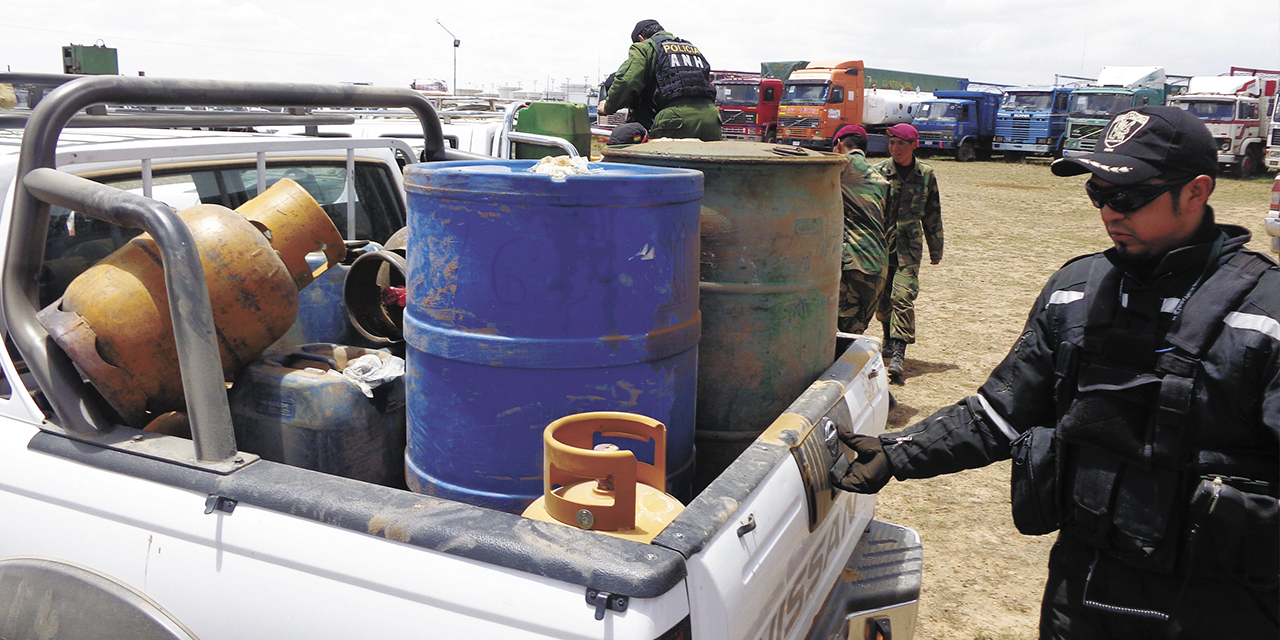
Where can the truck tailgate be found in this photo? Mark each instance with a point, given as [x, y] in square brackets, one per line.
[767, 540]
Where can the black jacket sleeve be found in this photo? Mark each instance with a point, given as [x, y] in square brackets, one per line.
[977, 431]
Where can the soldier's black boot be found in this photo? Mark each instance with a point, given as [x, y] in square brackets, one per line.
[897, 353]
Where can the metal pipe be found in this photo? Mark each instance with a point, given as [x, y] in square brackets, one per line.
[546, 141]
[188, 119]
[189, 305]
[52, 369]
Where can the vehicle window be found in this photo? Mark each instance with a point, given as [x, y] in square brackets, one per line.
[937, 111]
[744, 95]
[805, 94]
[1099, 105]
[1208, 110]
[1248, 111]
[76, 241]
[1026, 102]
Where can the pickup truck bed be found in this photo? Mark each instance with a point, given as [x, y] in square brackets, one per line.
[215, 542]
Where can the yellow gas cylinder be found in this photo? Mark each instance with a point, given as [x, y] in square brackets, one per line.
[113, 320]
[603, 487]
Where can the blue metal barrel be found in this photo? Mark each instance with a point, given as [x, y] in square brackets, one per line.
[532, 298]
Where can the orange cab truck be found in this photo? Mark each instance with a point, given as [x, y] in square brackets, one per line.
[826, 95]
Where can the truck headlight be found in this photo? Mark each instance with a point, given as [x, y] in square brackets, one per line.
[998, 139]
[1042, 141]
[1224, 144]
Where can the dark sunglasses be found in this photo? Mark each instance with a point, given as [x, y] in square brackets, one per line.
[1130, 198]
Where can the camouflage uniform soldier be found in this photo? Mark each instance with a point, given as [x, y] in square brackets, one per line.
[865, 257]
[913, 217]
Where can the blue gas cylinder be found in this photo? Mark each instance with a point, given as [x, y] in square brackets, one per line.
[531, 298]
[322, 313]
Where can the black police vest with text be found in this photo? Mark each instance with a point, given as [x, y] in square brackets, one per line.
[1124, 390]
[680, 71]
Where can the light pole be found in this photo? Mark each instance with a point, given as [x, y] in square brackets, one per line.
[456, 42]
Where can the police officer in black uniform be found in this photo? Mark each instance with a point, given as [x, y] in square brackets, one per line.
[1141, 406]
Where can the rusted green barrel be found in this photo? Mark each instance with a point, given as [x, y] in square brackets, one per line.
[772, 224]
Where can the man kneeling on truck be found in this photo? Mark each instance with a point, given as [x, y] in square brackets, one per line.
[1157, 365]
[665, 83]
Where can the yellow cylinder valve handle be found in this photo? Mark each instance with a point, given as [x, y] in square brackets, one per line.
[600, 486]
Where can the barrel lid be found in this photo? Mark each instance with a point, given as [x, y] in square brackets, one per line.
[511, 179]
[723, 151]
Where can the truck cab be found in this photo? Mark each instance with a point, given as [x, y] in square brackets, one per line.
[1236, 110]
[1032, 120]
[1118, 89]
[748, 107]
[819, 99]
[962, 122]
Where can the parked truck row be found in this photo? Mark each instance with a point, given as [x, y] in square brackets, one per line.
[805, 108]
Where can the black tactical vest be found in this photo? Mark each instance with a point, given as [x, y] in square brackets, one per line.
[1123, 393]
[681, 71]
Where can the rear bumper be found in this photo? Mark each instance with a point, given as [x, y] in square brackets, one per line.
[880, 584]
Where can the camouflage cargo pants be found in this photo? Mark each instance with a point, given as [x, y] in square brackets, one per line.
[859, 297]
[898, 303]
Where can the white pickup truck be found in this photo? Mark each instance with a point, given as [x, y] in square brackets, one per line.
[110, 531]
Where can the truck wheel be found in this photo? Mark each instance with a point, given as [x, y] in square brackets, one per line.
[1249, 163]
[966, 152]
[771, 137]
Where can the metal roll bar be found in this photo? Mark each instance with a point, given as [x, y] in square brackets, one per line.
[38, 185]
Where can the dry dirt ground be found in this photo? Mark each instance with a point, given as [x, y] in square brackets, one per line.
[1008, 227]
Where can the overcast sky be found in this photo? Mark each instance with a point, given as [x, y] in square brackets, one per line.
[530, 42]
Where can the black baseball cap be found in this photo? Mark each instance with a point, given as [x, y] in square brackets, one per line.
[628, 133]
[1145, 143]
[645, 28]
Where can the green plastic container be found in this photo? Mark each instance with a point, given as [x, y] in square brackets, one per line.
[567, 120]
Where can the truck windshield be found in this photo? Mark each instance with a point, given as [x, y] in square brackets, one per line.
[1099, 105]
[815, 93]
[938, 111]
[1208, 109]
[1027, 102]
[738, 95]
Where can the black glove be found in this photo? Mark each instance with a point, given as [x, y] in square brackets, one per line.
[870, 471]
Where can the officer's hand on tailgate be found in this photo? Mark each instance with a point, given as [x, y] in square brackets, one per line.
[870, 471]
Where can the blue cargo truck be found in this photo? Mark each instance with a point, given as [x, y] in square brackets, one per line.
[959, 121]
[1032, 120]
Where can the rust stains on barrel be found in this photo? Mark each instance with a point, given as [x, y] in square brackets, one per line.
[771, 227]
